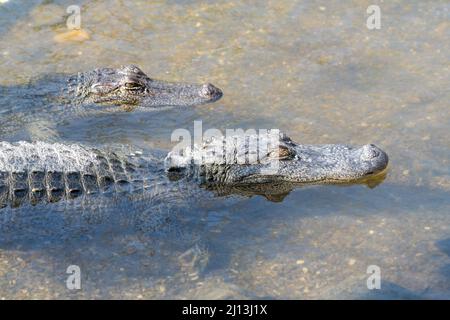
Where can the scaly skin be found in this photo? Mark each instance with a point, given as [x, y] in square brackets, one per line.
[39, 107]
[129, 85]
[256, 165]
[43, 172]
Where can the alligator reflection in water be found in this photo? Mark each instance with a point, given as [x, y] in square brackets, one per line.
[277, 191]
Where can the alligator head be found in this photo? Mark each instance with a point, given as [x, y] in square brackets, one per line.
[129, 85]
[255, 165]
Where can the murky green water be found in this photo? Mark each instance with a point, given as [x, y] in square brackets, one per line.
[310, 68]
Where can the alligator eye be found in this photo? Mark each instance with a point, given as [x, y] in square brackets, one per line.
[132, 86]
[210, 91]
[282, 153]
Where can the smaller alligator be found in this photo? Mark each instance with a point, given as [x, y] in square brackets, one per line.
[129, 85]
[43, 172]
[46, 102]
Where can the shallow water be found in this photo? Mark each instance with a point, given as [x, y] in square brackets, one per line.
[309, 68]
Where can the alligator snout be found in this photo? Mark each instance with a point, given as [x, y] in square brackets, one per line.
[377, 157]
[210, 92]
[369, 152]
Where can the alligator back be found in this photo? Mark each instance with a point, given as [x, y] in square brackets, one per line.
[42, 172]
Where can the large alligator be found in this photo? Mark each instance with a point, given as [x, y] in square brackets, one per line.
[261, 165]
[50, 100]
[42, 172]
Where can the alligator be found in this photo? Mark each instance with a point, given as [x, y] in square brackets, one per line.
[52, 99]
[42, 172]
[244, 164]
[129, 85]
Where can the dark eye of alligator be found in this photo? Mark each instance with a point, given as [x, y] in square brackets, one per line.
[209, 91]
[132, 86]
[282, 153]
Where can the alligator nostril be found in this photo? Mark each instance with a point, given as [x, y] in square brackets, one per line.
[206, 90]
[369, 152]
[210, 91]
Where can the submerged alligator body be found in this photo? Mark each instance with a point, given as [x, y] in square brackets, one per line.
[42, 172]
